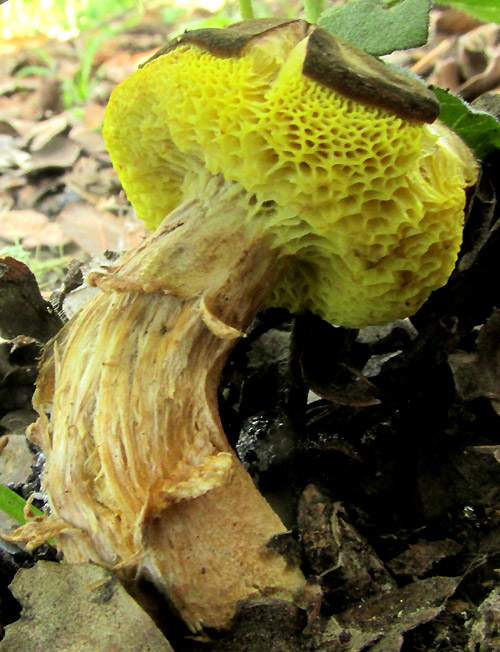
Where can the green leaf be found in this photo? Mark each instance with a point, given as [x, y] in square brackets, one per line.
[379, 26]
[480, 130]
[13, 505]
[487, 10]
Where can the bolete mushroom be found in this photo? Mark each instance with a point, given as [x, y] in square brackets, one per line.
[276, 165]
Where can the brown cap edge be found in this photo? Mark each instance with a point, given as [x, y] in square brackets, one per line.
[337, 64]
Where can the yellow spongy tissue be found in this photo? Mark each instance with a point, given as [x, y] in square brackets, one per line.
[368, 207]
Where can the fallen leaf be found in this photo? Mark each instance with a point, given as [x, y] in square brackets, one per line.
[95, 231]
[51, 235]
[93, 115]
[60, 152]
[420, 557]
[6, 201]
[93, 182]
[478, 373]
[476, 48]
[75, 291]
[11, 154]
[33, 192]
[31, 228]
[46, 130]
[15, 459]
[123, 64]
[16, 84]
[489, 450]
[336, 551]
[385, 618]
[18, 127]
[454, 21]
[483, 82]
[9, 181]
[17, 224]
[484, 635]
[446, 74]
[78, 608]
[89, 139]
[23, 311]
[47, 98]
[6, 128]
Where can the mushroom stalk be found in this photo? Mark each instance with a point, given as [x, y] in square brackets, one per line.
[139, 471]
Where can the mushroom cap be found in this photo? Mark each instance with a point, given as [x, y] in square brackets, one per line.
[363, 197]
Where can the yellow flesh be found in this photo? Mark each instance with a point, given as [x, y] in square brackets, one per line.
[370, 205]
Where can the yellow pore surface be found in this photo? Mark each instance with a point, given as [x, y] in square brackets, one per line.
[366, 207]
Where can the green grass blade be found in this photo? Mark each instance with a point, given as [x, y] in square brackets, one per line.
[313, 9]
[13, 505]
[246, 9]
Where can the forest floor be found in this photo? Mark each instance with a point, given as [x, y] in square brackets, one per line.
[389, 438]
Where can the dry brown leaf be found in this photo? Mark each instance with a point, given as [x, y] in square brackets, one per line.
[11, 155]
[16, 84]
[6, 129]
[33, 193]
[384, 619]
[6, 202]
[23, 311]
[89, 139]
[43, 132]
[60, 152]
[31, 228]
[17, 224]
[51, 235]
[479, 60]
[489, 450]
[446, 74]
[475, 49]
[95, 231]
[123, 64]
[483, 82]
[46, 98]
[94, 115]
[11, 106]
[78, 608]
[10, 181]
[420, 557]
[336, 551]
[19, 127]
[478, 373]
[15, 459]
[90, 181]
[484, 634]
[454, 21]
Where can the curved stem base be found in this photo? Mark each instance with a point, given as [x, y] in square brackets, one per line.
[139, 472]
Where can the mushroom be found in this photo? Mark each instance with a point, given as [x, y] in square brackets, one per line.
[275, 165]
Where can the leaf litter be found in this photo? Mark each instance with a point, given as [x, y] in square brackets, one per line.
[384, 442]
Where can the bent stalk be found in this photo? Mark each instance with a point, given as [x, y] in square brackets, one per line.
[139, 472]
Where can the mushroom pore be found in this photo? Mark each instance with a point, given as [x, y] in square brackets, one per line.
[276, 166]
